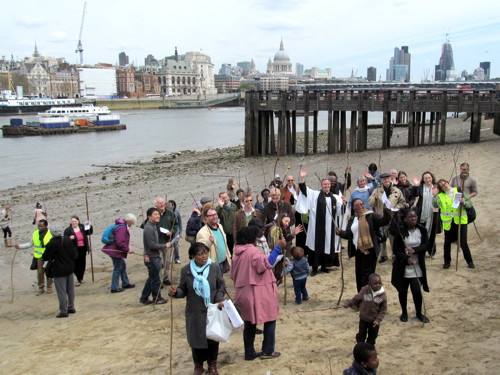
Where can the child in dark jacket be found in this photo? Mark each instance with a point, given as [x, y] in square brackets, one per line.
[299, 273]
[372, 303]
[365, 360]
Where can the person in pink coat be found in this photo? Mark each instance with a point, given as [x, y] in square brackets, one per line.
[256, 292]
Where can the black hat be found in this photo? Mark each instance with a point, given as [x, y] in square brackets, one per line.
[385, 175]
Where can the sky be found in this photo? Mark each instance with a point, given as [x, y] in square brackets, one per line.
[346, 36]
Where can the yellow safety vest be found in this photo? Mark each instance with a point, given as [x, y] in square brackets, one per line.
[448, 213]
[39, 246]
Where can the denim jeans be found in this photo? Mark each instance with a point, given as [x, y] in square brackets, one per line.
[249, 338]
[119, 271]
[176, 251]
[152, 285]
[299, 287]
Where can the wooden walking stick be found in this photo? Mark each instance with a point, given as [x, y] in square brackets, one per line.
[90, 236]
[12, 277]
[459, 221]
[171, 310]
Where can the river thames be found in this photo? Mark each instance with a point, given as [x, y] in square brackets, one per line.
[149, 133]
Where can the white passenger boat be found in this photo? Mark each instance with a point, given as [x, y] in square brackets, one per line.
[85, 111]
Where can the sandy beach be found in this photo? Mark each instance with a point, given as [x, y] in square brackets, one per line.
[114, 334]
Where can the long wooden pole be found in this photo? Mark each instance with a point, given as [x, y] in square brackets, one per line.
[90, 236]
[459, 223]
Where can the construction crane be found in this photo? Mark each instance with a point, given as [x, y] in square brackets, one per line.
[79, 47]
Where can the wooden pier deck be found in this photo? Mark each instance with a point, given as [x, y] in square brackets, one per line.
[419, 109]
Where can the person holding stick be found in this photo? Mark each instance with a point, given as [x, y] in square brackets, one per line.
[408, 269]
[152, 259]
[454, 220]
[79, 233]
[362, 240]
[201, 283]
[118, 252]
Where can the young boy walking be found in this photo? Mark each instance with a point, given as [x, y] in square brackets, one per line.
[372, 303]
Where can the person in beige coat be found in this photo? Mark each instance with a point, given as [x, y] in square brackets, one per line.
[395, 196]
[213, 236]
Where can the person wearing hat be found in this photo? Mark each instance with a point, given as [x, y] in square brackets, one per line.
[194, 223]
[61, 250]
[397, 200]
[276, 182]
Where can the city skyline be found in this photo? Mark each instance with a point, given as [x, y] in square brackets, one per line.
[348, 38]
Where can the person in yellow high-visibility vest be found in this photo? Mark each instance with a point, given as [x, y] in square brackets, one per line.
[39, 240]
[444, 196]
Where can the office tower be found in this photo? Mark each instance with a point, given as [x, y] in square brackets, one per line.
[123, 59]
[445, 70]
[299, 69]
[371, 74]
[399, 65]
[486, 65]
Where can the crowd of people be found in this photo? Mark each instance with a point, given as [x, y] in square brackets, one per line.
[255, 239]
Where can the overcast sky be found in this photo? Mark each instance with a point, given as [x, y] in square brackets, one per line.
[341, 35]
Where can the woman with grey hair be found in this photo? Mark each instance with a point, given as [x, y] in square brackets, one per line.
[363, 192]
[61, 251]
[118, 252]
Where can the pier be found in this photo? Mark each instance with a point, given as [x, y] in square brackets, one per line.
[423, 112]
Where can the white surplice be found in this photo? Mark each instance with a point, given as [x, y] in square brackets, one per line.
[307, 204]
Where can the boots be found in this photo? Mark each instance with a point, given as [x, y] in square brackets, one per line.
[9, 242]
[198, 369]
[212, 368]
[5, 242]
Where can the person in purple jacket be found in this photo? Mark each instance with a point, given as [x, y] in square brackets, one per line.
[118, 252]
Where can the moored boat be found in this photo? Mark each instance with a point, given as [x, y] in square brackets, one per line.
[11, 104]
[59, 124]
[85, 111]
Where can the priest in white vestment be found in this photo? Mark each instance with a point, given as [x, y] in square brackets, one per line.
[324, 210]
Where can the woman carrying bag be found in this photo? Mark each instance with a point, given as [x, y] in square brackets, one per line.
[202, 284]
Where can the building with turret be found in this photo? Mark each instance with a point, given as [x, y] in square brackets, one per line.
[281, 64]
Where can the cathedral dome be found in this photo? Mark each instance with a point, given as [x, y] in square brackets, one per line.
[281, 55]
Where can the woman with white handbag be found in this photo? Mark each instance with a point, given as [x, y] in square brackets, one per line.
[202, 284]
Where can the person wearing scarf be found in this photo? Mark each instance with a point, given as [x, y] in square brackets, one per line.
[202, 284]
[362, 240]
[363, 192]
[428, 214]
[323, 208]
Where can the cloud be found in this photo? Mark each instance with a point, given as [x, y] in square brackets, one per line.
[58, 37]
[30, 21]
[280, 24]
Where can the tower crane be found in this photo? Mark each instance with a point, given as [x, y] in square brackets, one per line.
[79, 47]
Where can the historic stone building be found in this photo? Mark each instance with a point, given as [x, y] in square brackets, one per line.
[189, 74]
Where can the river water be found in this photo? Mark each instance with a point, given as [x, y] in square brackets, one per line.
[41, 159]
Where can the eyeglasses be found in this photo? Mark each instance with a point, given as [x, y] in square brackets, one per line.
[248, 200]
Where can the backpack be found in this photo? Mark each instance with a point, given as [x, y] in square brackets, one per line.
[108, 237]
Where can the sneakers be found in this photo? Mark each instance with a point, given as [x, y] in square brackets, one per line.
[177, 261]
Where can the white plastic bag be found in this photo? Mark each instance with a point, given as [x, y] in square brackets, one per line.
[219, 327]
[232, 313]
